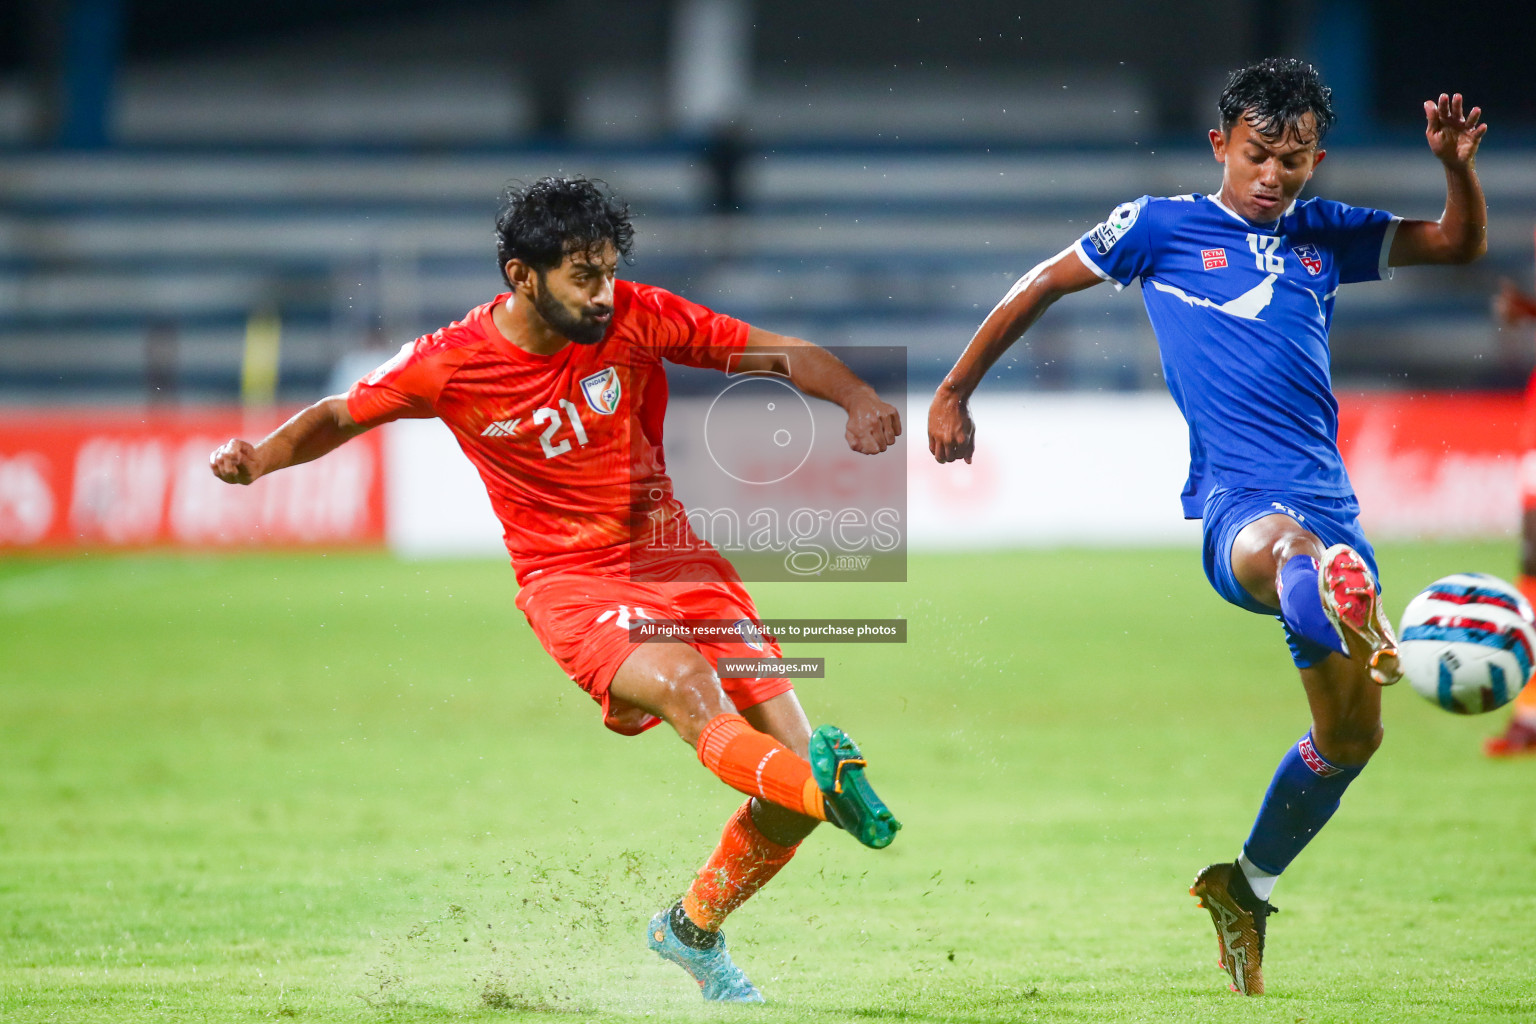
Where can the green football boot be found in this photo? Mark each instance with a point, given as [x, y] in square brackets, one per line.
[851, 802]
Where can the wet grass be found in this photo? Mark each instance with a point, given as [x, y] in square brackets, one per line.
[347, 788]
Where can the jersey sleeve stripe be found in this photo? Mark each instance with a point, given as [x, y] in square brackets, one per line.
[1386, 248]
[1082, 254]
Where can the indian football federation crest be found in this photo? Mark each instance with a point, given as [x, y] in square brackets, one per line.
[602, 390]
[750, 634]
[1310, 258]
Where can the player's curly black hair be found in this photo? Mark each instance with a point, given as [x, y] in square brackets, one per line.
[540, 223]
[1274, 95]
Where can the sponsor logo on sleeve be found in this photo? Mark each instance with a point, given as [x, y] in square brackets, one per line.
[395, 362]
[1213, 259]
[1121, 219]
[1310, 258]
[602, 390]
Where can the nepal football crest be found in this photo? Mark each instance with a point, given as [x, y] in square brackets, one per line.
[1310, 258]
[602, 390]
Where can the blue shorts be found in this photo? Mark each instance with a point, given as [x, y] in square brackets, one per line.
[1229, 509]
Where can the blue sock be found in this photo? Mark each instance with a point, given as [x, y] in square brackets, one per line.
[1302, 607]
[1302, 797]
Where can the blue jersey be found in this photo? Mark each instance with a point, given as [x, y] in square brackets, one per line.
[1241, 312]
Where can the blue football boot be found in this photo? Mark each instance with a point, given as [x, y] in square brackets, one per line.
[719, 980]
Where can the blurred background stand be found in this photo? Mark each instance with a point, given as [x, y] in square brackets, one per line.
[710, 79]
[161, 356]
[857, 173]
[74, 54]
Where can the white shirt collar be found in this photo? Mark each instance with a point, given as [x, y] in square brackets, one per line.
[1237, 216]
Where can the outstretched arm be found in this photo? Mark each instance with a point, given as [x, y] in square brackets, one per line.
[1461, 233]
[873, 424]
[951, 433]
[321, 428]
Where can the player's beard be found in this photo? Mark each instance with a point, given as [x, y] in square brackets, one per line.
[578, 327]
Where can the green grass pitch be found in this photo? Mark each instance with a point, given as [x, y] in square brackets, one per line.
[348, 788]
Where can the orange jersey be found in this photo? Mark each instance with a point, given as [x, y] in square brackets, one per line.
[569, 445]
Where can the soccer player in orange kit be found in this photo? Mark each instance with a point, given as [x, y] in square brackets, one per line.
[1513, 307]
[555, 391]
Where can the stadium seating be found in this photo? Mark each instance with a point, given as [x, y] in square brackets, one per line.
[135, 270]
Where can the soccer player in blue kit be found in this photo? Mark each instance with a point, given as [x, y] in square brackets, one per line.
[1239, 287]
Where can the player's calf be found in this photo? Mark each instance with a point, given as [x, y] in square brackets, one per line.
[674, 682]
[756, 764]
[742, 862]
[832, 787]
[1302, 797]
[780, 825]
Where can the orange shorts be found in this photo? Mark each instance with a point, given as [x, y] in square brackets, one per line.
[583, 622]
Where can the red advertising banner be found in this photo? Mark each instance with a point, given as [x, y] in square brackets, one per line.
[135, 479]
[1445, 465]
[1438, 465]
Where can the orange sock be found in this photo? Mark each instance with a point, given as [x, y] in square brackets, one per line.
[742, 864]
[1525, 704]
[756, 764]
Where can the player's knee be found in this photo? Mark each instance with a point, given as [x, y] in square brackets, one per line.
[1263, 547]
[1292, 543]
[1351, 742]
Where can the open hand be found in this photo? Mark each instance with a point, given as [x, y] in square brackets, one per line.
[951, 431]
[873, 426]
[235, 462]
[1453, 136]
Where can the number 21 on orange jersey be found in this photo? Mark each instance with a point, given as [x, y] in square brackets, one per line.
[552, 417]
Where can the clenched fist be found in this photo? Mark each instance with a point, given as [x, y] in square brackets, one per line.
[873, 426]
[235, 462]
[951, 431]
